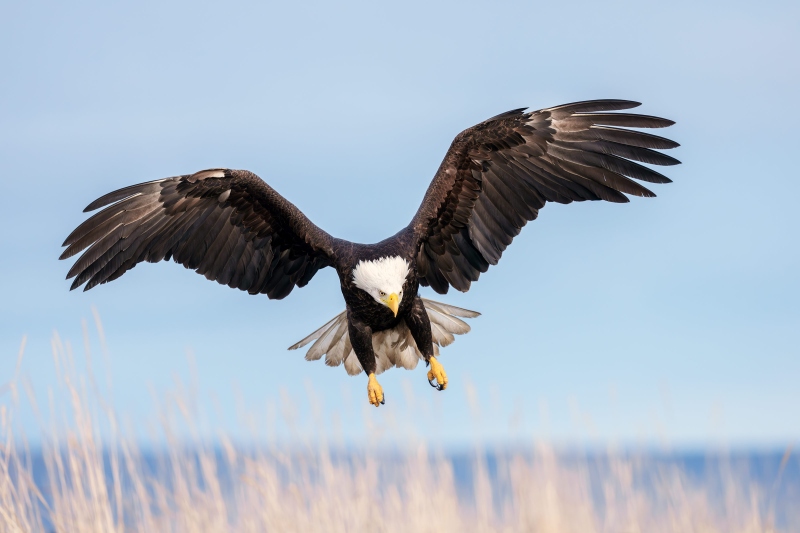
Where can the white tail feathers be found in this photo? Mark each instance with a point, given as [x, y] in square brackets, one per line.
[393, 347]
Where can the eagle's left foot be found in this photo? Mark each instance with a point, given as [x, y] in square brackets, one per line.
[375, 391]
[437, 372]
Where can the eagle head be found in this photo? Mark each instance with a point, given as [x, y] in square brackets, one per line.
[383, 279]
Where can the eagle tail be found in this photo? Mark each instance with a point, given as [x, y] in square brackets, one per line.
[393, 347]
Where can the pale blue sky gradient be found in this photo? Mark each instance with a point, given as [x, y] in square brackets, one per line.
[672, 319]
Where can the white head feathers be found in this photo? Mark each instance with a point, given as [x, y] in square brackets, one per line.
[385, 275]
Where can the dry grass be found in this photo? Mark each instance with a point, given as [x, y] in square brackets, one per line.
[95, 479]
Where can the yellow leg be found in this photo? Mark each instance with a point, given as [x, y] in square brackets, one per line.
[437, 372]
[375, 391]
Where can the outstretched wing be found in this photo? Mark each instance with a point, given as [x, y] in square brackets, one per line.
[498, 174]
[227, 225]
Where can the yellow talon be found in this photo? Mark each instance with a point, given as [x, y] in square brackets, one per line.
[375, 391]
[437, 372]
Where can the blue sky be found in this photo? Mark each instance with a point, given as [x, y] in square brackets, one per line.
[668, 320]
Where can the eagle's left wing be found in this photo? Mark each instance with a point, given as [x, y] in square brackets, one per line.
[498, 174]
[227, 225]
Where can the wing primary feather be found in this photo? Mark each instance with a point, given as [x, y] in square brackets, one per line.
[124, 218]
[607, 185]
[593, 105]
[133, 203]
[628, 120]
[110, 248]
[125, 192]
[645, 155]
[618, 135]
[609, 162]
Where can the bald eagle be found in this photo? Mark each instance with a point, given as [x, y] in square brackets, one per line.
[231, 227]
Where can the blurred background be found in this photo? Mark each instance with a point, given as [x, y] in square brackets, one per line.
[667, 322]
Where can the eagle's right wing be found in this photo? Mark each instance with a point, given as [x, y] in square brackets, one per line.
[227, 225]
[498, 174]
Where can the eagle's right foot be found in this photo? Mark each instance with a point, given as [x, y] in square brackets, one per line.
[375, 391]
[437, 373]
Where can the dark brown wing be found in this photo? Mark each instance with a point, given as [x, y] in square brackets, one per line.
[498, 174]
[227, 225]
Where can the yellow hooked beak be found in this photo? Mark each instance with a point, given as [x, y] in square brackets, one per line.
[393, 302]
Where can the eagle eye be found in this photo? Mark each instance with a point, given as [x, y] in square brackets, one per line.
[382, 293]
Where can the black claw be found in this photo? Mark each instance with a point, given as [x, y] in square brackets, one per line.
[383, 400]
[436, 386]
